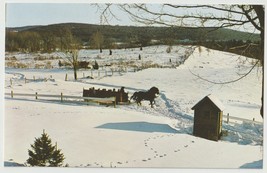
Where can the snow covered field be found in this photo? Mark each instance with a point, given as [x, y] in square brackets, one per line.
[139, 136]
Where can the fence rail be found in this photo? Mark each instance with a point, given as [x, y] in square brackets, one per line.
[228, 117]
[109, 100]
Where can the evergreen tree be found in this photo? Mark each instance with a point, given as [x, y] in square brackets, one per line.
[57, 158]
[43, 153]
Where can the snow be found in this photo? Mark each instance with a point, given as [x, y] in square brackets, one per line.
[97, 136]
[215, 100]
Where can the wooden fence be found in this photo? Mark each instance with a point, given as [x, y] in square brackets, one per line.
[108, 100]
[228, 117]
[62, 98]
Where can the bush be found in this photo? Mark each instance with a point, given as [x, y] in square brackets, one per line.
[169, 49]
[48, 65]
[43, 153]
[96, 66]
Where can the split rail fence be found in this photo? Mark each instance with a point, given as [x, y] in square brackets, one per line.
[66, 98]
[109, 100]
[228, 118]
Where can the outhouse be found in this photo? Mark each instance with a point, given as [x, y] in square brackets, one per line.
[208, 114]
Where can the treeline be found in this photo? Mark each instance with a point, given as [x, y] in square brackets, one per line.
[245, 48]
[72, 35]
[45, 41]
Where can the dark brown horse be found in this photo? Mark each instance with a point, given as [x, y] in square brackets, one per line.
[149, 95]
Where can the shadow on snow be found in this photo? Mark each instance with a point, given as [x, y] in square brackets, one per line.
[139, 127]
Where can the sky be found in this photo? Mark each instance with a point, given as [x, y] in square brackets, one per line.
[24, 14]
[19, 14]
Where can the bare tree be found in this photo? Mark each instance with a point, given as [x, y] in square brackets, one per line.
[246, 17]
[71, 54]
[98, 40]
[66, 38]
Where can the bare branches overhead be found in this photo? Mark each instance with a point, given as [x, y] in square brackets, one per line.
[220, 16]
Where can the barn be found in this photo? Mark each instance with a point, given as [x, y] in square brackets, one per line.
[208, 114]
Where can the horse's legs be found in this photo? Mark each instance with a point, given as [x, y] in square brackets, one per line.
[151, 103]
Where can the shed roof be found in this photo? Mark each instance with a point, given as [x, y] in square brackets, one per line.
[213, 99]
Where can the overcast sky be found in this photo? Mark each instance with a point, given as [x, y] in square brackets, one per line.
[24, 14]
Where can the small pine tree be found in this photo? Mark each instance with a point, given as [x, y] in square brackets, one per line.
[43, 153]
[57, 158]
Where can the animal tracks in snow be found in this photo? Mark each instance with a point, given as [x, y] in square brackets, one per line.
[151, 144]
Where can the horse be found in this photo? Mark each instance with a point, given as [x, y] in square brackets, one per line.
[149, 95]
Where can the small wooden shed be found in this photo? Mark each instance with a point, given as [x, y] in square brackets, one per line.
[208, 114]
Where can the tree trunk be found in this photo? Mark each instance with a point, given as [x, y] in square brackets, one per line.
[75, 72]
[259, 9]
[75, 63]
[262, 63]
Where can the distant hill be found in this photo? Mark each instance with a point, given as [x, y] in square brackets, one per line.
[125, 33]
[23, 28]
[66, 35]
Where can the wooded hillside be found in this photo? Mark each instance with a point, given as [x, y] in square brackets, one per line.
[66, 35]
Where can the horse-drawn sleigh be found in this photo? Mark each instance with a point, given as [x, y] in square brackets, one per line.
[121, 97]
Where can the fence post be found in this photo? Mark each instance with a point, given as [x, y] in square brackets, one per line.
[61, 97]
[33, 78]
[114, 102]
[12, 94]
[10, 82]
[36, 95]
[120, 97]
[66, 77]
[227, 118]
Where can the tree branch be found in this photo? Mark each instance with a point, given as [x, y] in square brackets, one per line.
[225, 82]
